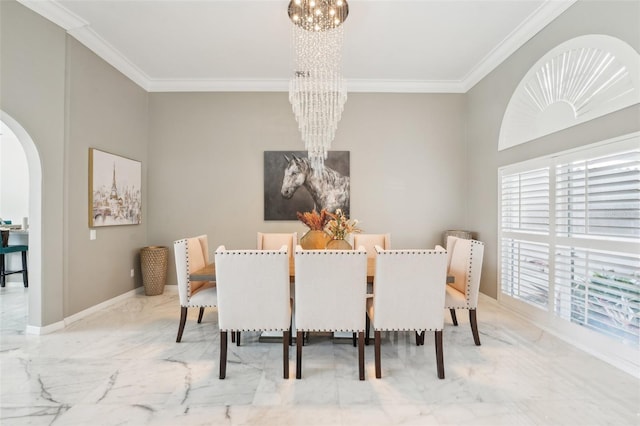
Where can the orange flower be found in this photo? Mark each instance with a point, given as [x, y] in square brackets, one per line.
[314, 220]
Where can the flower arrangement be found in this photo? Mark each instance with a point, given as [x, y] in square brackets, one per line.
[339, 225]
[314, 220]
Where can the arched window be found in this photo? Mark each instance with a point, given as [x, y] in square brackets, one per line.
[577, 81]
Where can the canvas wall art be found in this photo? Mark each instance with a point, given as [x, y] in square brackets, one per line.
[290, 185]
[115, 194]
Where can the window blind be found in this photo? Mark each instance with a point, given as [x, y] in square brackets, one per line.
[525, 201]
[586, 269]
[599, 290]
[525, 271]
[599, 196]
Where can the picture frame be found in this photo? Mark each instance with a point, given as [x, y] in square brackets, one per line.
[282, 200]
[115, 190]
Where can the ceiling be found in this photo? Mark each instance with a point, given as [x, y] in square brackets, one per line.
[245, 45]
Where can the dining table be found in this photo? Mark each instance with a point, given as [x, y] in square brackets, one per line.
[208, 272]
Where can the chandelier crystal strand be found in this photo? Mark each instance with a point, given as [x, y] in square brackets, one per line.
[317, 90]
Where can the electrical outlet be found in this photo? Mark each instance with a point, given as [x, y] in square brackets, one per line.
[132, 273]
[92, 234]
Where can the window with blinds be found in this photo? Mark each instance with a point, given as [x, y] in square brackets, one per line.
[599, 196]
[570, 237]
[525, 271]
[525, 201]
[599, 290]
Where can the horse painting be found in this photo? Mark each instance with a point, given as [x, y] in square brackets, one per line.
[328, 188]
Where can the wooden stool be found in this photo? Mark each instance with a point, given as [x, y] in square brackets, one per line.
[3, 272]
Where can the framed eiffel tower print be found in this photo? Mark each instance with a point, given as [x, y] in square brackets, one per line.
[115, 193]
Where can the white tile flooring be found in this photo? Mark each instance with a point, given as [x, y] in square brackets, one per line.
[122, 366]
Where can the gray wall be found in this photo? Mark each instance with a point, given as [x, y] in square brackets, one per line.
[32, 91]
[205, 169]
[107, 111]
[488, 100]
[68, 100]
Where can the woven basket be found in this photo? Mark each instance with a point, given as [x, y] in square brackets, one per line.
[466, 235]
[153, 262]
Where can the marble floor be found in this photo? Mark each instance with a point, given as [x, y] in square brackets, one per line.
[122, 366]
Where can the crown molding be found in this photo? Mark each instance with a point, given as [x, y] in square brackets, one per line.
[99, 46]
[282, 85]
[56, 13]
[539, 19]
[82, 31]
[218, 85]
[405, 86]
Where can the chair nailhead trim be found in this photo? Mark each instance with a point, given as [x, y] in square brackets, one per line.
[252, 252]
[407, 329]
[415, 252]
[331, 252]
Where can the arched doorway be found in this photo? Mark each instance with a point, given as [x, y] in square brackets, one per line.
[35, 221]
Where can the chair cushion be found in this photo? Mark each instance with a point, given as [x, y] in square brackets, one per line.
[205, 296]
[454, 299]
[13, 249]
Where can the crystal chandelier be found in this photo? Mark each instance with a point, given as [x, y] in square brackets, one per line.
[317, 90]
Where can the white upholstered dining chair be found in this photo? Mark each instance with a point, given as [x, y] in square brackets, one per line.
[370, 241]
[253, 295]
[408, 295]
[191, 254]
[330, 294]
[465, 266]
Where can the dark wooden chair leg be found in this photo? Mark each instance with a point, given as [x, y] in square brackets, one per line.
[439, 354]
[223, 354]
[299, 338]
[286, 338]
[376, 338]
[3, 279]
[354, 339]
[418, 343]
[290, 333]
[200, 314]
[367, 325]
[474, 326]
[361, 354]
[25, 275]
[183, 320]
[233, 337]
[237, 338]
[453, 316]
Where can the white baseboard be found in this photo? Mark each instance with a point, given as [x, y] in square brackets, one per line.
[32, 329]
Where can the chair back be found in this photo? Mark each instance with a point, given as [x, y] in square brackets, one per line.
[273, 241]
[204, 246]
[189, 256]
[330, 288]
[253, 289]
[370, 241]
[409, 289]
[466, 267]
